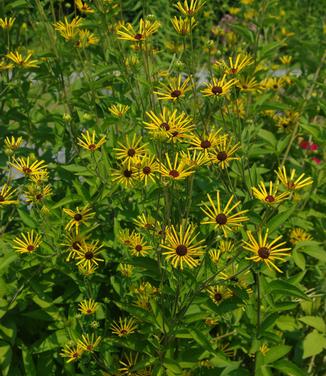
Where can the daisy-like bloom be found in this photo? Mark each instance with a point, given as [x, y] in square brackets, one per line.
[83, 7]
[126, 176]
[226, 246]
[264, 349]
[236, 66]
[119, 110]
[214, 255]
[286, 121]
[207, 142]
[88, 254]
[248, 84]
[40, 179]
[127, 364]
[132, 152]
[125, 237]
[26, 167]
[68, 30]
[176, 171]
[22, 62]
[173, 89]
[73, 242]
[219, 293]
[88, 307]
[191, 9]
[241, 279]
[13, 143]
[182, 247]
[222, 154]
[145, 222]
[139, 246]
[218, 88]
[7, 23]
[72, 353]
[146, 169]
[36, 194]
[88, 141]
[299, 235]
[126, 270]
[264, 251]
[286, 59]
[6, 195]
[86, 272]
[78, 217]
[223, 218]
[269, 197]
[183, 26]
[28, 242]
[89, 343]
[194, 159]
[274, 83]
[5, 66]
[86, 38]
[124, 327]
[291, 182]
[145, 30]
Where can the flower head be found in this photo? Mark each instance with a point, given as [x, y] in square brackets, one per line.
[22, 62]
[6, 195]
[89, 343]
[131, 152]
[68, 30]
[119, 110]
[72, 353]
[124, 327]
[219, 293]
[269, 197]
[299, 235]
[218, 88]
[88, 307]
[264, 251]
[145, 30]
[13, 143]
[292, 182]
[78, 216]
[25, 166]
[222, 154]
[7, 23]
[174, 89]
[183, 26]
[87, 141]
[190, 8]
[176, 170]
[83, 7]
[27, 243]
[236, 65]
[88, 254]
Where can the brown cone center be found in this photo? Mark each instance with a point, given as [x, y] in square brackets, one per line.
[181, 250]
[221, 219]
[264, 252]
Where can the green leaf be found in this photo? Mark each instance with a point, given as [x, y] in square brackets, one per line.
[29, 365]
[267, 136]
[276, 353]
[279, 219]
[269, 321]
[285, 288]
[313, 344]
[27, 219]
[299, 259]
[314, 321]
[316, 253]
[5, 357]
[287, 323]
[201, 339]
[288, 368]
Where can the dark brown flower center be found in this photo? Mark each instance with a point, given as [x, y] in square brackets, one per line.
[131, 152]
[244, 87]
[233, 70]
[92, 147]
[264, 252]
[217, 90]
[89, 311]
[89, 255]
[127, 173]
[123, 331]
[205, 144]
[147, 170]
[175, 133]
[275, 86]
[174, 173]
[176, 93]
[165, 126]
[138, 248]
[221, 156]
[27, 170]
[30, 248]
[138, 36]
[75, 355]
[181, 250]
[270, 198]
[291, 185]
[39, 196]
[78, 217]
[89, 347]
[221, 219]
[218, 297]
[76, 245]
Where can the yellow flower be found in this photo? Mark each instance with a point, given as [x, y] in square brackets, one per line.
[299, 235]
[286, 59]
[6, 194]
[176, 171]
[86, 38]
[83, 7]
[146, 169]
[68, 30]
[174, 89]
[181, 246]
[264, 349]
[194, 159]
[145, 222]
[13, 143]
[125, 175]
[124, 327]
[128, 364]
[88, 307]
[286, 121]
[73, 242]
[207, 142]
[236, 66]
[139, 246]
[7, 23]
[234, 11]
[131, 153]
[226, 246]
[22, 62]
[271, 197]
[191, 9]
[265, 251]
[218, 87]
[292, 183]
[88, 141]
[219, 293]
[5, 66]
[28, 242]
[274, 83]
[78, 217]
[36, 194]
[222, 154]
[183, 26]
[88, 343]
[119, 110]
[145, 30]
[214, 255]
[126, 269]
[29, 169]
[71, 352]
[88, 254]
[222, 218]
[248, 84]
